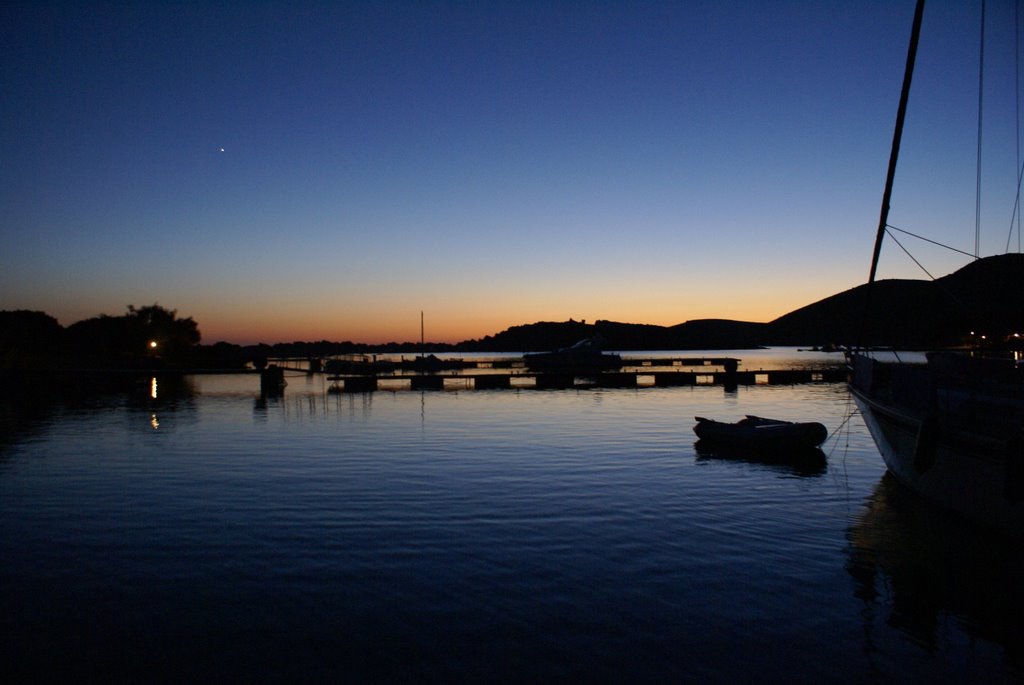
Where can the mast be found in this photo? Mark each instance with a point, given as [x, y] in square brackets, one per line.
[908, 75]
[422, 343]
[981, 102]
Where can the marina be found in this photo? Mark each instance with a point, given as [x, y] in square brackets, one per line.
[513, 373]
[610, 462]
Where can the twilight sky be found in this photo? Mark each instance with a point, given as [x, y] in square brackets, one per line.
[307, 171]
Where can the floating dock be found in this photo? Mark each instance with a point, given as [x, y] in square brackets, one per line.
[635, 373]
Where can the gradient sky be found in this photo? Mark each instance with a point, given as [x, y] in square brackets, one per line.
[307, 171]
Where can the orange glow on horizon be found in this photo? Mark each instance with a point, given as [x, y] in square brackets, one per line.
[454, 315]
[449, 327]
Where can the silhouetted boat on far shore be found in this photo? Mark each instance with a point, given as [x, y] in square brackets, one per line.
[431, 363]
[586, 355]
[358, 365]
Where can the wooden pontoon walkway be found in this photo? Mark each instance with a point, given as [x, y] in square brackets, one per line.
[635, 373]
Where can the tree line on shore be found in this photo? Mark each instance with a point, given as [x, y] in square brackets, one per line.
[143, 337]
[150, 337]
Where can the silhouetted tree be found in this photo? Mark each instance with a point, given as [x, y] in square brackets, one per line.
[154, 324]
[144, 337]
[28, 339]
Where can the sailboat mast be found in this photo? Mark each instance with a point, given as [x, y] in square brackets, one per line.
[422, 342]
[908, 75]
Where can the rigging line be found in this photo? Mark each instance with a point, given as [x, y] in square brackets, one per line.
[928, 240]
[944, 289]
[844, 430]
[914, 259]
[850, 413]
[1015, 216]
[981, 90]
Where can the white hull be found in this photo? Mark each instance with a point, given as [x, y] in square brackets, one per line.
[971, 465]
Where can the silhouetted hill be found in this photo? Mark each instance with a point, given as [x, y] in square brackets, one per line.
[902, 314]
[715, 334]
[534, 337]
[986, 296]
[548, 335]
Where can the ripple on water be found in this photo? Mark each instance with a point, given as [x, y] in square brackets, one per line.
[454, 535]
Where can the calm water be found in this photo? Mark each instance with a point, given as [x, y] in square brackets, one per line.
[476, 535]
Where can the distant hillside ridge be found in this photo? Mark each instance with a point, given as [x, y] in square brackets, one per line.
[985, 296]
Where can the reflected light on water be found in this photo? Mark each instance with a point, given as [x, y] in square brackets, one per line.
[152, 388]
[950, 587]
[450, 536]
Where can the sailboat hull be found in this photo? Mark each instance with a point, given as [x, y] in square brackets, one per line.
[953, 438]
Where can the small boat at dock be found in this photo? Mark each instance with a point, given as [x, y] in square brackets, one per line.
[585, 355]
[357, 365]
[757, 433]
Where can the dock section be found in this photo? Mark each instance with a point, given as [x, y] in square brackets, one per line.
[506, 373]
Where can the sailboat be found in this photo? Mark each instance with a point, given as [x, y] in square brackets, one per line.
[951, 427]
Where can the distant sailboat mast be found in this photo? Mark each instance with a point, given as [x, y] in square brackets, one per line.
[422, 339]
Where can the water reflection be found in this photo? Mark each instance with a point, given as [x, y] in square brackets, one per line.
[799, 462]
[164, 392]
[931, 575]
[36, 401]
[157, 398]
[313, 405]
